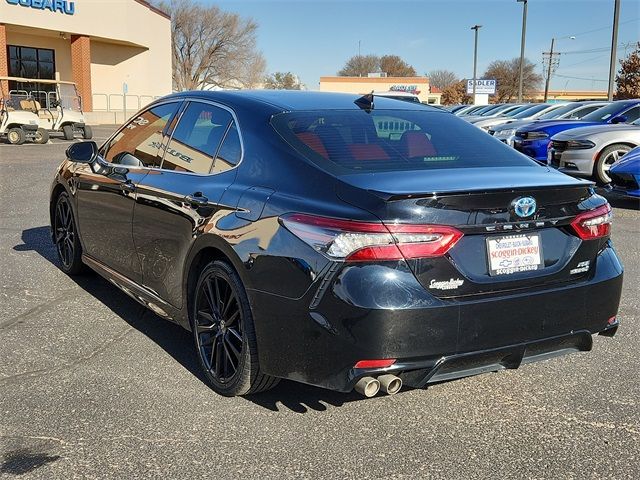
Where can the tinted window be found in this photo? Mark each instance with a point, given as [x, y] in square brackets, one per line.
[230, 151]
[632, 114]
[348, 141]
[532, 111]
[196, 138]
[557, 112]
[603, 114]
[139, 142]
[584, 111]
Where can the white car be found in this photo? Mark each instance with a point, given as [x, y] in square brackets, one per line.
[591, 151]
[506, 132]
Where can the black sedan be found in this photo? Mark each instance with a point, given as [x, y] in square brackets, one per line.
[341, 241]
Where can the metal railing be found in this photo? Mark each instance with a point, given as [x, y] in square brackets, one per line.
[118, 102]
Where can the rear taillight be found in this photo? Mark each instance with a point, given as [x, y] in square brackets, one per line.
[368, 241]
[594, 223]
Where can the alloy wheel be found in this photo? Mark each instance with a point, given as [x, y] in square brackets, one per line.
[65, 232]
[219, 327]
[612, 158]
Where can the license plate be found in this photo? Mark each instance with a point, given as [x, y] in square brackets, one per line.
[514, 253]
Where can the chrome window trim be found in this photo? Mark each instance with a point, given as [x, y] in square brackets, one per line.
[224, 136]
[137, 114]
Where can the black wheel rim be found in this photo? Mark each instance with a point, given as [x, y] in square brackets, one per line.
[64, 232]
[219, 327]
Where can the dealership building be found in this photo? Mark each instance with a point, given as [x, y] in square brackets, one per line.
[118, 52]
[380, 83]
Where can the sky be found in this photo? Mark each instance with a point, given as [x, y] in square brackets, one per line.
[314, 38]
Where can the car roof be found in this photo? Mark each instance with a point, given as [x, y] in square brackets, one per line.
[292, 100]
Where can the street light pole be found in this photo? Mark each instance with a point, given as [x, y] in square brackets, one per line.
[614, 45]
[522, 41]
[475, 59]
[546, 83]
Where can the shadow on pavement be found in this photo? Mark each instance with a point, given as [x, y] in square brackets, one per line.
[175, 340]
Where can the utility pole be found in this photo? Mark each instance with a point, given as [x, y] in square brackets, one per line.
[475, 59]
[614, 45]
[546, 83]
[522, 40]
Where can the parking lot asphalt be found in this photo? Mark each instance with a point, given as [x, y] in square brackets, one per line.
[94, 386]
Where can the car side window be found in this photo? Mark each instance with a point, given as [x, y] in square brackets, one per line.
[632, 114]
[230, 151]
[196, 139]
[138, 143]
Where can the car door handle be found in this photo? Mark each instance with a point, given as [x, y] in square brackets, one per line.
[196, 200]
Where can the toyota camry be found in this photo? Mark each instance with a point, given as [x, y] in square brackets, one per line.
[341, 241]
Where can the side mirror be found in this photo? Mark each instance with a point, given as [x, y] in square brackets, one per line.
[619, 119]
[83, 152]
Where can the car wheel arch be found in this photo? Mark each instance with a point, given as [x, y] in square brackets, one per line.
[206, 249]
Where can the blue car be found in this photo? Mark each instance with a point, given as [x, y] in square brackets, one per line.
[533, 139]
[625, 174]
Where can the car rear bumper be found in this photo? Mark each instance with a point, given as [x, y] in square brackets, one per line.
[318, 341]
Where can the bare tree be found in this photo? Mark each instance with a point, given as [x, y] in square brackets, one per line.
[628, 77]
[506, 72]
[394, 66]
[360, 66]
[455, 93]
[283, 81]
[442, 78]
[212, 48]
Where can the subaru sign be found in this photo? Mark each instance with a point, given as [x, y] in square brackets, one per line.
[63, 6]
[483, 85]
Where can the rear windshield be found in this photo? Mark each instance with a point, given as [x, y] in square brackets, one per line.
[348, 141]
[532, 110]
[603, 114]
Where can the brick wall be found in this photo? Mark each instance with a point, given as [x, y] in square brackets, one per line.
[4, 63]
[81, 68]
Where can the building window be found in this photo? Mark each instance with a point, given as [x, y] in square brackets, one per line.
[29, 62]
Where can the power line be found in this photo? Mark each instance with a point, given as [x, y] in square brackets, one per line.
[608, 27]
[597, 50]
[581, 78]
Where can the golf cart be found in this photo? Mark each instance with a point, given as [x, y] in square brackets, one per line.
[59, 107]
[18, 120]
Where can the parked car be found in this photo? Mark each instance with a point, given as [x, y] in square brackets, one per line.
[404, 96]
[533, 140]
[591, 151]
[499, 109]
[531, 112]
[468, 109]
[625, 174]
[481, 110]
[337, 241]
[571, 111]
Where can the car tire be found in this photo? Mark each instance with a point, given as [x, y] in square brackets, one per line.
[65, 236]
[16, 136]
[224, 333]
[42, 136]
[87, 132]
[606, 159]
[67, 130]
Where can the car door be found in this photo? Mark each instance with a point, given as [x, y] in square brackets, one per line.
[175, 201]
[106, 189]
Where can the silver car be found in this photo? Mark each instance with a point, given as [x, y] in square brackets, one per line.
[591, 151]
[575, 110]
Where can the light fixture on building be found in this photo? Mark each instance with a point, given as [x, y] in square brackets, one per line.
[63, 35]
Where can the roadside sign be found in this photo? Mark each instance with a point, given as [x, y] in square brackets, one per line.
[483, 86]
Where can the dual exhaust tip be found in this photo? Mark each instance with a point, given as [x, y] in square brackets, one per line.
[369, 386]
